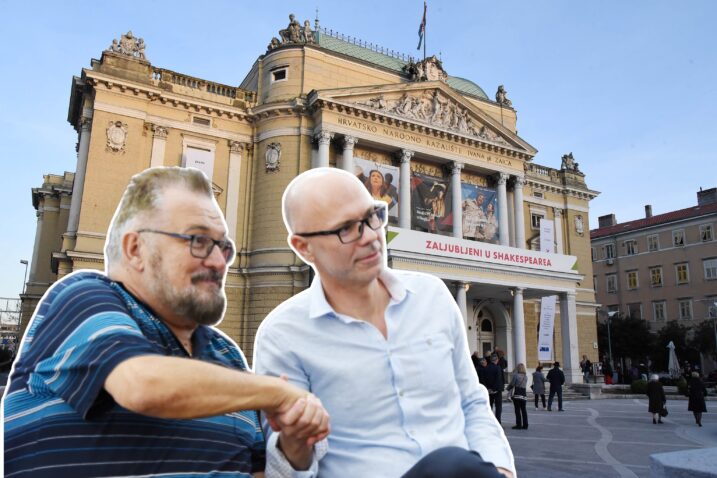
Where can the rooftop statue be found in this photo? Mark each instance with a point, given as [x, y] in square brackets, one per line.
[430, 69]
[568, 163]
[128, 45]
[294, 33]
[501, 97]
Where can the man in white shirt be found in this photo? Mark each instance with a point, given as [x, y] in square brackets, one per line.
[385, 351]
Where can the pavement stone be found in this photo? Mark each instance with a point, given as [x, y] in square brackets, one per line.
[603, 438]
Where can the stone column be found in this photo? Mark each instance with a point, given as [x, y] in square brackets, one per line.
[569, 334]
[519, 326]
[503, 235]
[461, 300]
[558, 230]
[404, 191]
[79, 182]
[36, 250]
[324, 139]
[519, 215]
[457, 199]
[159, 141]
[236, 149]
[347, 163]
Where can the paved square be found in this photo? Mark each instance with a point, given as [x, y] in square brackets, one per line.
[603, 438]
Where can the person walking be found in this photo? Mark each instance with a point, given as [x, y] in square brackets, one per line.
[607, 372]
[586, 367]
[556, 377]
[517, 387]
[539, 385]
[696, 392]
[656, 398]
[495, 385]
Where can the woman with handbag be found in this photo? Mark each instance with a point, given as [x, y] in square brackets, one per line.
[656, 396]
[517, 387]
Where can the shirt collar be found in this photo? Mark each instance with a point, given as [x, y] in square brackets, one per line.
[319, 306]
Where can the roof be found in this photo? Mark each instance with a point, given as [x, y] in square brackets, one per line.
[390, 62]
[680, 214]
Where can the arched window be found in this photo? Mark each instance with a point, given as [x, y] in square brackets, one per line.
[486, 326]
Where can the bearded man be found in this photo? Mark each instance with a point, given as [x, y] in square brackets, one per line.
[122, 373]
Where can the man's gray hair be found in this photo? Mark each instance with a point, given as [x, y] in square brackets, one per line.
[142, 197]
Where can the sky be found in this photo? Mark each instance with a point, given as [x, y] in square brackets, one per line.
[629, 87]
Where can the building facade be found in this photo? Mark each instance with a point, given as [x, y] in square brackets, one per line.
[465, 198]
[659, 268]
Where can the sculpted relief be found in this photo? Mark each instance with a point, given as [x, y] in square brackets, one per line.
[293, 33]
[435, 110]
[128, 45]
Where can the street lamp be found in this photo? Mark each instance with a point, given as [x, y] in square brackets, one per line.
[610, 315]
[24, 282]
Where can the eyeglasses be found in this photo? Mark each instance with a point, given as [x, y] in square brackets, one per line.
[353, 231]
[201, 245]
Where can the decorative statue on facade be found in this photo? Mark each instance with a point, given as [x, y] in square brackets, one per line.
[430, 69]
[128, 45]
[294, 33]
[568, 163]
[272, 157]
[501, 98]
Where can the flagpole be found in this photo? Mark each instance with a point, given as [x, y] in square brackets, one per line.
[424, 34]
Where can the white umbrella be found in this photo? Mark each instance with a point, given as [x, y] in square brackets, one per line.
[673, 365]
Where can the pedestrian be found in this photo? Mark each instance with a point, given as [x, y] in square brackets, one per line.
[539, 385]
[518, 385]
[656, 398]
[556, 377]
[607, 372]
[586, 367]
[495, 385]
[696, 392]
[481, 369]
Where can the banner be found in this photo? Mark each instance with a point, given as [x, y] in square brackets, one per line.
[431, 204]
[545, 334]
[381, 180]
[480, 213]
[547, 238]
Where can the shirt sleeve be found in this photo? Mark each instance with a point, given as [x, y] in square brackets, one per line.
[483, 432]
[89, 342]
[273, 357]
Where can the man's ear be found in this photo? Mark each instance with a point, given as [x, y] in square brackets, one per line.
[302, 247]
[133, 251]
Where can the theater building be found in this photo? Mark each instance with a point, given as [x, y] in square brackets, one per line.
[465, 199]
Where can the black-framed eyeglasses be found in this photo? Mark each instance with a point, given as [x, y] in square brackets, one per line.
[201, 245]
[353, 231]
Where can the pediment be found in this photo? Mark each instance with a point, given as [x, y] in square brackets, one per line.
[429, 104]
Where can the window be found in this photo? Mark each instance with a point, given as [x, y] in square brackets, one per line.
[631, 247]
[201, 121]
[535, 218]
[656, 276]
[632, 280]
[609, 251]
[658, 310]
[593, 253]
[279, 74]
[678, 238]
[595, 282]
[538, 194]
[706, 233]
[634, 310]
[685, 308]
[683, 273]
[611, 283]
[710, 266]
[653, 243]
[198, 153]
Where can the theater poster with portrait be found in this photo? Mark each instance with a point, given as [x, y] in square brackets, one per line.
[480, 213]
[381, 180]
[431, 204]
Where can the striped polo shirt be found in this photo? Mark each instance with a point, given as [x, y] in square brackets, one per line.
[59, 420]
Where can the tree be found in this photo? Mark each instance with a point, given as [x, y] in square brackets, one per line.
[703, 339]
[678, 335]
[630, 338]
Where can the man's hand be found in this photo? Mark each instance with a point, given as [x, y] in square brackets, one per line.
[505, 472]
[301, 426]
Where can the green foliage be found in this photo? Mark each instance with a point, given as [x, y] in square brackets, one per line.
[639, 387]
[703, 338]
[631, 338]
[682, 386]
[678, 334]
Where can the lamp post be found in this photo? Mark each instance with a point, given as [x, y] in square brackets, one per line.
[609, 315]
[24, 281]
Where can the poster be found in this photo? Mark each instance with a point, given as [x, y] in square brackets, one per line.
[480, 213]
[545, 334]
[431, 204]
[381, 180]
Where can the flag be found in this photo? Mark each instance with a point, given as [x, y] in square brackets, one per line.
[422, 27]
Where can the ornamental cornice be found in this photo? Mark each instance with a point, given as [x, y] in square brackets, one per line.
[153, 93]
[437, 132]
[586, 194]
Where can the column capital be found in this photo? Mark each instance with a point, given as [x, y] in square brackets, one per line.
[569, 294]
[85, 123]
[502, 178]
[456, 167]
[518, 290]
[350, 142]
[519, 182]
[324, 137]
[558, 211]
[160, 132]
[405, 155]
[237, 146]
